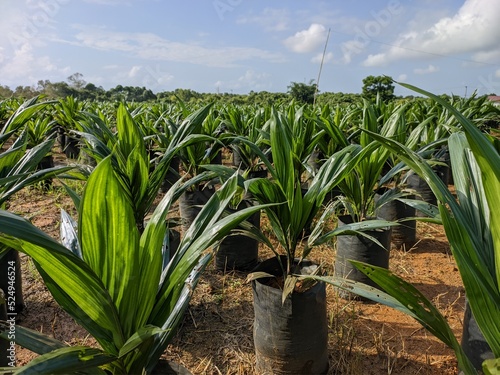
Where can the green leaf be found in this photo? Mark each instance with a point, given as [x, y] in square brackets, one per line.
[22, 114]
[151, 258]
[9, 158]
[207, 229]
[31, 339]
[491, 366]
[67, 360]
[137, 339]
[283, 157]
[358, 228]
[428, 209]
[176, 314]
[73, 195]
[109, 241]
[78, 291]
[129, 136]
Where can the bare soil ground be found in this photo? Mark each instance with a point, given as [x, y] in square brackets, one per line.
[216, 334]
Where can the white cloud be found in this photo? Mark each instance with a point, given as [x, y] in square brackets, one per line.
[26, 26]
[428, 70]
[253, 79]
[250, 80]
[152, 47]
[351, 48]
[376, 60]
[497, 73]
[317, 59]
[30, 21]
[307, 40]
[25, 66]
[402, 77]
[134, 71]
[491, 56]
[473, 29]
[149, 76]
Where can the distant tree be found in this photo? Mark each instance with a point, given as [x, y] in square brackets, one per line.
[42, 85]
[129, 93]
[60, 90]
[187, 95]
[381, 85]
[92, 92]
[302, 92]
[337, 98]
[147, 94]
[25, 92]
[5, 92]
[76, 81]
[90, 87]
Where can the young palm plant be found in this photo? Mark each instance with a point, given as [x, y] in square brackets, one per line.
[19, 168]
[113, 279]
[247, 123]
[289, 219]
[359, 187]
[472, 226]
[66, 115]
[130, 157]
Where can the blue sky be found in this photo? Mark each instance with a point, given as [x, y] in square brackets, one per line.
[235, 46]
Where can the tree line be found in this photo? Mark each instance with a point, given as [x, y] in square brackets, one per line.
[75, 86]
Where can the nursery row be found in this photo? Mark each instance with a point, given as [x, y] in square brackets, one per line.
[372, 168]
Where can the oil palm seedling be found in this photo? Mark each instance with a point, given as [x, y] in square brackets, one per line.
[240, 250]
[247, 123]
[67, 112]
[274, 281]
[130, 157]
[203, 148]
[359, 187]
[19, 168]
[472, 228]
[358, 190]
[163, 131]
[428, 127]
[113, 279]
[20, 114]
[334, 126]
[39, 130]
[333, 129]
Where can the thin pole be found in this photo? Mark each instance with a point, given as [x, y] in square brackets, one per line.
[321, 67]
